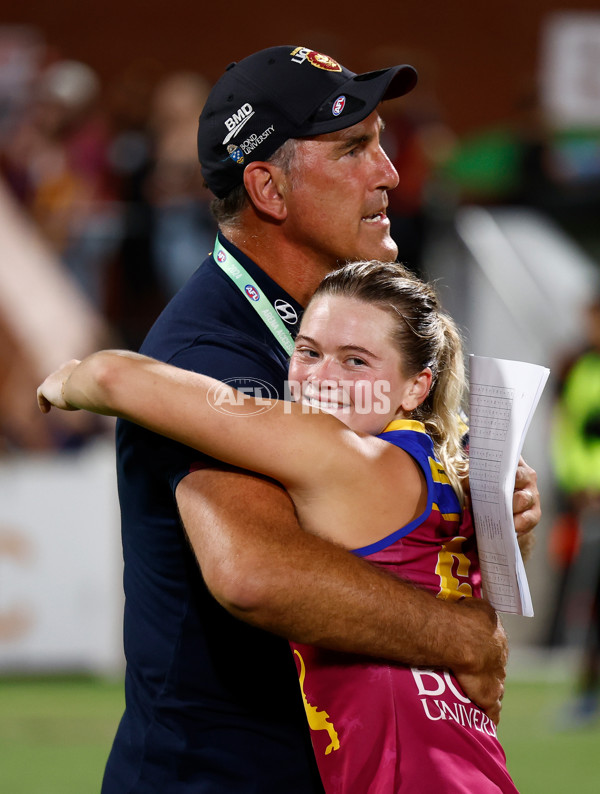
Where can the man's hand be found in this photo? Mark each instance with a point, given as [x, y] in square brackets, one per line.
[527, 510]
[482, 677]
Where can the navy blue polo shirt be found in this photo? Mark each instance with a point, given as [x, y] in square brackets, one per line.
[213, 705]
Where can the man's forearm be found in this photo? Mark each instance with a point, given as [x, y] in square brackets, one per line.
[263, 568]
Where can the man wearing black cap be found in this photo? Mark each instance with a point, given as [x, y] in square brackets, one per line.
[289, 143]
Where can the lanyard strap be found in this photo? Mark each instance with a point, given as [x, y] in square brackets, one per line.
[254, 295]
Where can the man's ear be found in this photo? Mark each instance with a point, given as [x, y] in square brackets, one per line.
[265, 184]
[418, 390]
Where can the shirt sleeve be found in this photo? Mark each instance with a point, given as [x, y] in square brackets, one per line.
[245, 365]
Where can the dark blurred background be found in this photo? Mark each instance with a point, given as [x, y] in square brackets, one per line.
[480, 58]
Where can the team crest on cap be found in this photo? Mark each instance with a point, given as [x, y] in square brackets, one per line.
[338, 105]
[301, 54]
[236, 154]
[323, 62]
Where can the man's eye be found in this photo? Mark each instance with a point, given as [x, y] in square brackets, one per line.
[355, 150]
[354, 361]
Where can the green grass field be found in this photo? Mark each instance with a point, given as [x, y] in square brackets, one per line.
[55, 735]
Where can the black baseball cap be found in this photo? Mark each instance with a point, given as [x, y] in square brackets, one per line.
[280, 93]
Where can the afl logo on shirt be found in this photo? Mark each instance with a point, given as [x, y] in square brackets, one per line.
[251, 292]
[221, 256]
[338, 105]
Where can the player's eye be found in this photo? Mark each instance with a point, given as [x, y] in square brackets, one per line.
[307, 352]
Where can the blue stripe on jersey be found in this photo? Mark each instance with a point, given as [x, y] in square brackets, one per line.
[413, 439]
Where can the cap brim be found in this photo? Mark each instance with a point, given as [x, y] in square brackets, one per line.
[404, 79]
[362, 93]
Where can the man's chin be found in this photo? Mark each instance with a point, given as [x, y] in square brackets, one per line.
[381, 249]
[385, 250]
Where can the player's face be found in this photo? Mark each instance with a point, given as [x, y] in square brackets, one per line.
[346, 364]
[338, 200]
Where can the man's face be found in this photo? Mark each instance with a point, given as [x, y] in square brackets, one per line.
[336, 207]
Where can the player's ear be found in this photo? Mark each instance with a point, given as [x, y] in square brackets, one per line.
[417, 391]
[265, 184]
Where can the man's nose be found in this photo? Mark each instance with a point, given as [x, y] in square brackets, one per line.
[387, 175]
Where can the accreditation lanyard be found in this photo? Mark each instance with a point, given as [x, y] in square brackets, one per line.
[254, 295]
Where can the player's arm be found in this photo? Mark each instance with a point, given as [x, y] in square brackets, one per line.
[298, 448]
[262, 567]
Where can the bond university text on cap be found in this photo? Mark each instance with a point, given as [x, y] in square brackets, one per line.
[280, 93]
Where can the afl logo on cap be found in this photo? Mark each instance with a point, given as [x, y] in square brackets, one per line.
[252, 292]
[338, 105]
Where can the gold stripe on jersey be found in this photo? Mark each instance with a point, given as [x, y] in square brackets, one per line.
[405, 424]
[438, 473]
[447, 516]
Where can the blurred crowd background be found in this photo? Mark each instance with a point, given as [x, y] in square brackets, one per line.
[103, 215]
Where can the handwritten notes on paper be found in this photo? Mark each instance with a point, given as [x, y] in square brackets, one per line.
[503, 398]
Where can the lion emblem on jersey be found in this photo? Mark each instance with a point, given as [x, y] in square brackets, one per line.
[317, 720]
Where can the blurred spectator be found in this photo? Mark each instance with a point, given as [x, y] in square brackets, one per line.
[44, 318]
[21, 53]
[184, 230]
[558, 171]
[56, 164]
[133, 296]
[60, 223]
[527, 161]
[418, 142]
[168, 227]
[575, 539]
[417, 146]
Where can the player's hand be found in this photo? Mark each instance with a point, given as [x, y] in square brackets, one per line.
[50, 392]
[482, 679]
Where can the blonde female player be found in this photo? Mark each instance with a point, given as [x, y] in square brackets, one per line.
[371, 455]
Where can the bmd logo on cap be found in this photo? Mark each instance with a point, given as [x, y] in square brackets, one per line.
[338, 105]
[235, 122]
